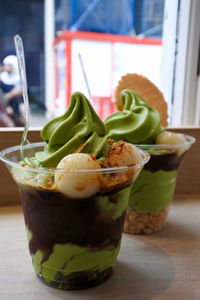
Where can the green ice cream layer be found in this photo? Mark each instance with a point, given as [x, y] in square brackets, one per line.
[116, 209]
[152, 191]
[69, 258]
[137, 123]
[78, 130]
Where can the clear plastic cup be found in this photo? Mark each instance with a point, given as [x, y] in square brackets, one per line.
[73, 243]
[152, 192]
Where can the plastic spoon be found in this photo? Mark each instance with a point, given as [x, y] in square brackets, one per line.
[85, 78]
[22, 71]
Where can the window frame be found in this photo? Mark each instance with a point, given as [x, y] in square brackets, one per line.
[180, 81]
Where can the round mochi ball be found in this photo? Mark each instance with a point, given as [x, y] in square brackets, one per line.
[123, 154]
[170, 138]
[78, 184]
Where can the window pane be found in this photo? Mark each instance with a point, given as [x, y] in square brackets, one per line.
[106, 58]
[26, 19]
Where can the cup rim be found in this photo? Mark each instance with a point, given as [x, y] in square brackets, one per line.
[7, 162]
[189, 140]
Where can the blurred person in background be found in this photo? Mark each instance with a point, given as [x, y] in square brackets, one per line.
[5, 119]
[10, 86]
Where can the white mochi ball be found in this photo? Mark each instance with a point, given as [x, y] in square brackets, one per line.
[75, 184]
[168, 137]
[127, 155]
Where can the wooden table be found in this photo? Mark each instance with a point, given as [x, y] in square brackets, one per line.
[165, 265]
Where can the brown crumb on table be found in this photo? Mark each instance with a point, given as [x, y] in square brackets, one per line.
[139, 223]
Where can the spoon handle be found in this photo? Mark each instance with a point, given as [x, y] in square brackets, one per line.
[22, 71]
[85, 78]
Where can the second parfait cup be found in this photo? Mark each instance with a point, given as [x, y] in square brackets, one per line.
[152, 192]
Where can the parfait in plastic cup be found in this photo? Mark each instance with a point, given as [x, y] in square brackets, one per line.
[152, 192]
[74, 218]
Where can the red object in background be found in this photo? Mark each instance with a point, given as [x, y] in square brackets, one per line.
[63, 60]
[105, 37]
[104, 106]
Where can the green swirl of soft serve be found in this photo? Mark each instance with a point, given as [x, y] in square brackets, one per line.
[138, 123]
[78, 130]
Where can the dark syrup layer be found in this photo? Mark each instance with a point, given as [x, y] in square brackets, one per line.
[165, 162]
[79, 280]
[53, 218]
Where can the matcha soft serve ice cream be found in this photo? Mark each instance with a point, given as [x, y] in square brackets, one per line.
[152, 192]
[74, 189]
[78, 130]
[137, 123]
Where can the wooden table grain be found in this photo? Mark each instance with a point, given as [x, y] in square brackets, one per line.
[161, 266]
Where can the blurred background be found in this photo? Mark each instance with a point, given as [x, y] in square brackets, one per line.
[114, 37]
